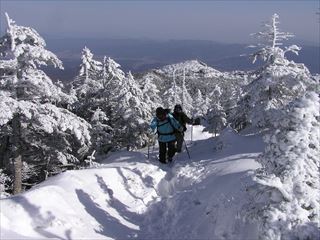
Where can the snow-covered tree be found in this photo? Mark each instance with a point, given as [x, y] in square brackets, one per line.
[287, 193]
[113, 78]
[101, 132]
[88, 86]
[150, 92]
[186, 99]
[100, 100]
[37, 138]
[49, 137]
[172, 95]
[277, 83]
[89, 68]
[88, 80]
[200, 107]
[132, 115]
[216, 116]
[23, 51]
[113, 74]
[216, 119]
[272, 39]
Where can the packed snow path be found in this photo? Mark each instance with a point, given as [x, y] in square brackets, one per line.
[131, 196]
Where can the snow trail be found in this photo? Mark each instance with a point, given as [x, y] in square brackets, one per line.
[130, 196]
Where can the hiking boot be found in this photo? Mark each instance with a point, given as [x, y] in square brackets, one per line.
[162, 161]
[169, 160]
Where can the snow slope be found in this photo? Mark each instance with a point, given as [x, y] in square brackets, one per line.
[130, 196]
[192, 68]
[196, 69]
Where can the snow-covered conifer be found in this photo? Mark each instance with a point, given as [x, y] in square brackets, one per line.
[132, 115]
[172, 95]
[112, 73]
[186, 99]
[216, 116]
[277, 83]
[88, 86]
[150, 92]
[43, 136]
[272, 39]
[200, 107]
[50, 137]
[24, 51]
[101, 132]
[287, 196]
[89, 68]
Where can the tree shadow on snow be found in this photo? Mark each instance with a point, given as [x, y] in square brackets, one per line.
[110, 226]
[147, 180]
[39, 221]
[121, 208]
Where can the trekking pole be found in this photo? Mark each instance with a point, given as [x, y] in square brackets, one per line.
[148, 150]
[191, 133]
[154, 143]
[192, 128]
[187, 149]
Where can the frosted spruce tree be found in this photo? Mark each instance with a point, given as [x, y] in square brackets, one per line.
[48, 139]
[186, 99]
[112, 74]
[101, 132]
[98, 99]
[150, 93]
[172, 96]
[89, 68]
[287, 193]
[113, 78]
[37, 138]
[216, 116]
[23, 51]
[200, 107]
[88, 86]
[278, 82]
[132, 115]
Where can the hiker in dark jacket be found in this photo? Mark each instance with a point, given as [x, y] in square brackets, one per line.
[183, 119]
[166, 127]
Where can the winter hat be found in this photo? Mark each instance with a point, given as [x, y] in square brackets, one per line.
[160, 112]
[178, 108]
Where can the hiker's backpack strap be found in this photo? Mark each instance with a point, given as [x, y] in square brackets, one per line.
[175, 130]
[168, 121]
[159, 125]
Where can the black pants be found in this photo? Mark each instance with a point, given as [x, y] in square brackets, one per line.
[179, 137]
[165, 147]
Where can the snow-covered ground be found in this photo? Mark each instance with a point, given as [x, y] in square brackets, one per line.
[130, 196]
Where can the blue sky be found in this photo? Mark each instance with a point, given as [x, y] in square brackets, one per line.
[223, 21]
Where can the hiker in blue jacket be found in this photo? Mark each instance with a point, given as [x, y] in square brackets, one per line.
[166, 127]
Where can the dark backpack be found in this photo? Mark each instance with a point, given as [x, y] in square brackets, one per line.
[180, 120]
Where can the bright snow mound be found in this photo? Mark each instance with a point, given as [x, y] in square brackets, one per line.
[130, 196]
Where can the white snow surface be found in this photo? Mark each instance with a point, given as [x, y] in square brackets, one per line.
[191, 68]
[131, 196]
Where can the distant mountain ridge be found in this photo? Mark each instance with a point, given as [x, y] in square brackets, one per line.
[139, 55]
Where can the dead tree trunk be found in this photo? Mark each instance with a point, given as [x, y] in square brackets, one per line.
[17, 161]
